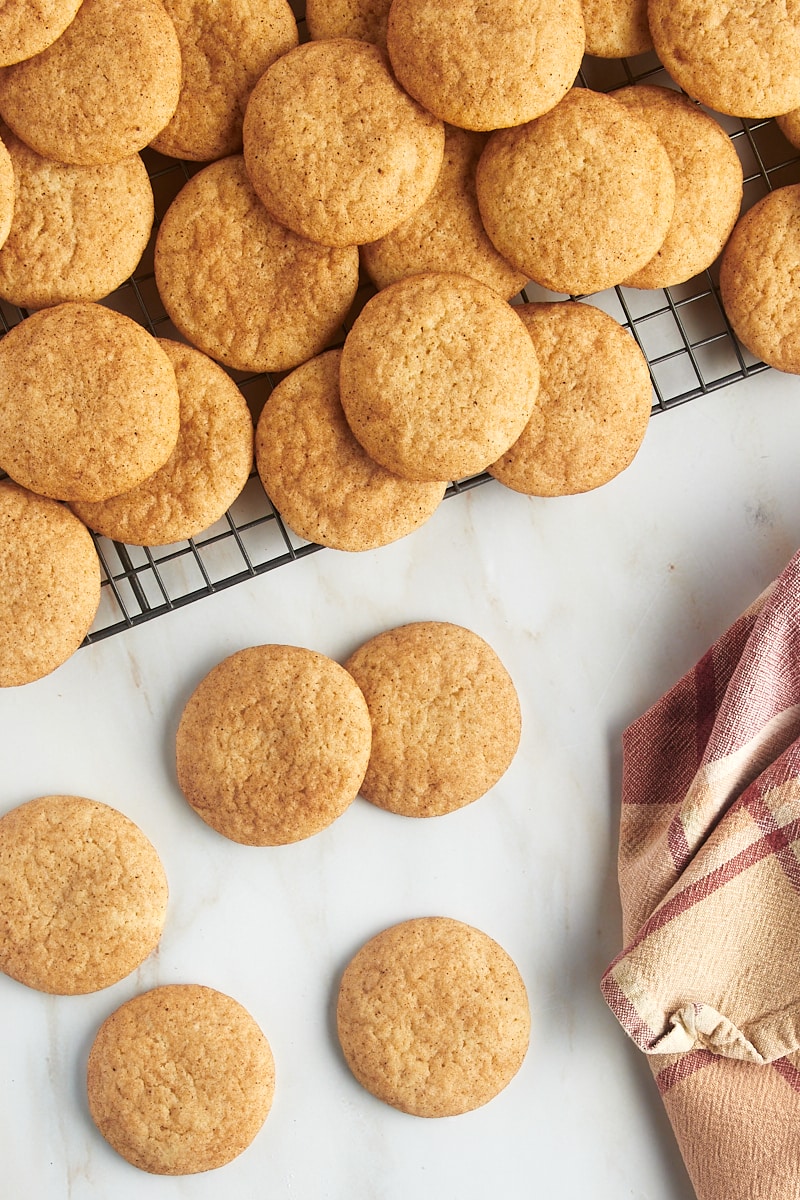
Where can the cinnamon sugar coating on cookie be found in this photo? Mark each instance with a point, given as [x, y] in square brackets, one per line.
[240, 286]
[180, 1079]
[103, 90]
[438, 376]
[335, 148]
[432, 1017]
[486, 66]
[49, 585]
[580, 198]
[324, 485]
[83, 895]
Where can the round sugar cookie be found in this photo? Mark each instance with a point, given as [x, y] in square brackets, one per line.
[180, 1079]
[83, 895]
[78, 232]
[273, 744]
[616, 28]
[49, 585]
[225, 48]
[579, 199]
[486, 66]
[594, 403]
[7, 191]
[325, 487]
[365, 20]
[241, 287]
[447, 233]
[445, 717]
[758, 279]
[335, 148]
[433, 1017]
[29, 26]
[739, 59]
[89, 400]
[103, 90]
[438, 376]
[204, 474]
[708, 184]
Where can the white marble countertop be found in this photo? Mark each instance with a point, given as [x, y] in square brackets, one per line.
[596, 604]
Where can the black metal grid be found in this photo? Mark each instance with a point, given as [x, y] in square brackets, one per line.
[683, 332]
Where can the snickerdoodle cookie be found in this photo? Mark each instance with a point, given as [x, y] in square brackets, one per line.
[433, 1017]
[445, 717]
[335, 148]
[180, 1079]
[77, 233]
[438, 376]
[49, 585]
[83, 895]
[483, 66]
[758, 279]
[273, 744]
[739, 59]
[89, 401]
[324, 485]
[225, 48]
[102, 90]
[708, 184]
[594, 403]
[241, 287]
[579, 199]
[447, 233]
[205, 472]
[364, 20]
[29, 26]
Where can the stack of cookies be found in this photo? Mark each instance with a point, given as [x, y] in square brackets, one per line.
[445, 159]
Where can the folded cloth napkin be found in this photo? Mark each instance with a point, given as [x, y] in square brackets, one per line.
[708, 984]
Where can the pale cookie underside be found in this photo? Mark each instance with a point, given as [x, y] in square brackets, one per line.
[433, 1017]
[82, 892]
[225, 49]
[103, 90]
[335, 148]
[240, 286]
[445, 717]
[78, 232]
[324, 485]
[739, 59]
[438, 377]
[486, 66]
[594, 403]
[76, 380]
[7, 193]
[180, 1079]
[758, 279]
[273, 745]
[49, 585]
[588, 156]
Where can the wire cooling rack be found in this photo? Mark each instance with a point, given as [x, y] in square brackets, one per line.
[683, 332]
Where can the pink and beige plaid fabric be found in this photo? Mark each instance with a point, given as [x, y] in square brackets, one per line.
[708, 984]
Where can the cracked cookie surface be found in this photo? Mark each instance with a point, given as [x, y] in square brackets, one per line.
[432, 1017]
[180, 1079]
[83, 895]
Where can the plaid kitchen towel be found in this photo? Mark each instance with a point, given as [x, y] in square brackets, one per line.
[708, 984]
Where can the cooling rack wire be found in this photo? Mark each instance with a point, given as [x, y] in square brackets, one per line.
[683, 332]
